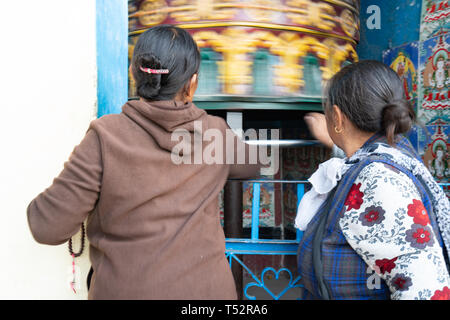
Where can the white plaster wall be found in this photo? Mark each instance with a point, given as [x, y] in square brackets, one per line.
[47, 99]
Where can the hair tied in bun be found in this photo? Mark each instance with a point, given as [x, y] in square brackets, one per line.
[397, 117]
[165, 58]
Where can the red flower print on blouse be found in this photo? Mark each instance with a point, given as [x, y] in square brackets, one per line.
[441, 295]
[354, 197]
[401, 282]
[421, 235]
[418, 212]
[386, 265]
[373, 215]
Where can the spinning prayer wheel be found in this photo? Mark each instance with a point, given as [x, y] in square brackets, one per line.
[259, 50]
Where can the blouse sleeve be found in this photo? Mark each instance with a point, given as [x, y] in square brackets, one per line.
[56, 214]
[386, 223]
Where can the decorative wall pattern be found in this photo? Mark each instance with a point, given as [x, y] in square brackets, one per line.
[435, 104]
[435, 18]
[424, 66]
[435, 79]
[436, 153]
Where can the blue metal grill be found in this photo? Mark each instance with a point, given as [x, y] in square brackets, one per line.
[256, 246]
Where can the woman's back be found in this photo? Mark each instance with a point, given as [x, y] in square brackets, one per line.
[151, 201]
[155, 231]
[161, 213]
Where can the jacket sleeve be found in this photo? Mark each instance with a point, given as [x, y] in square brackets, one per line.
[56, 214]
[248, 169]
[243, 158]
[386, 223]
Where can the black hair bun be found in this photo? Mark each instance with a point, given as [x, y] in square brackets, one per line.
[168, 48]
[397, 117]
[149, 84]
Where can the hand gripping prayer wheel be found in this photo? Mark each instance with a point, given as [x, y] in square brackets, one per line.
[269, 60]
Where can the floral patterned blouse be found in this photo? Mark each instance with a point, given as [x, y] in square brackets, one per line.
[388, 226]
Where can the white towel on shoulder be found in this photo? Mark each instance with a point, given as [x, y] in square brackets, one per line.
[323, 180]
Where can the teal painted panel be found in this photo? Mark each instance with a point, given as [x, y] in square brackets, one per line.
[263, 64]
[207, 79]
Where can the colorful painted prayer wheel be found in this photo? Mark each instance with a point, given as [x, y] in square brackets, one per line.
[259, 50]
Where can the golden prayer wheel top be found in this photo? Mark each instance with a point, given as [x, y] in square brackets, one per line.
[259, 48]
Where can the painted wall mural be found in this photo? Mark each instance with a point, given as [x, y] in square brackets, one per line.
[405, 61]
[435, 104]
[424, 66]
[435, 79]
[436, 155]
[435, 18]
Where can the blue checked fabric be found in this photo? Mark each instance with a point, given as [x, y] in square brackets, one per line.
[344, 272]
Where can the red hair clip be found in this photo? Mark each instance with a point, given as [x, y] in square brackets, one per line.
[155, 71]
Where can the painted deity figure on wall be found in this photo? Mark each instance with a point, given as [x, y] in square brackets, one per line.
[440, 78]
[437, 156]
[435, 73]
[266, 207]
[439, 165]
[404, 60]
[407, 73]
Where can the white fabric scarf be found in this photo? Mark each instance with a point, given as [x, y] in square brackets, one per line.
[323, 181]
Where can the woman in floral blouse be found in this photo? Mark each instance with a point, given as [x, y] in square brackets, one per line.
[376, 224]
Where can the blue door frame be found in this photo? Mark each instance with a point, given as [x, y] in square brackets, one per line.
[112, 55]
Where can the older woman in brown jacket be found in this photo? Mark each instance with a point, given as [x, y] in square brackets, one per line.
[153, 224]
